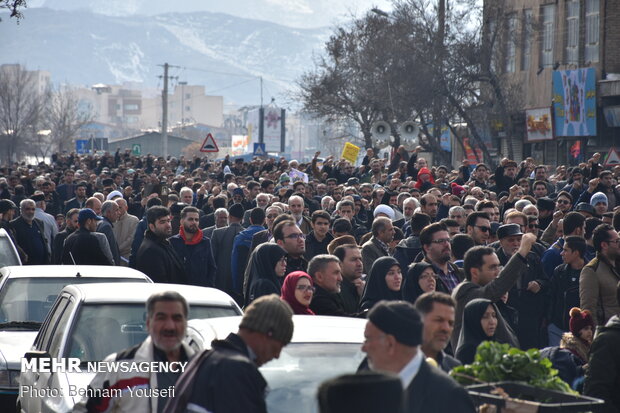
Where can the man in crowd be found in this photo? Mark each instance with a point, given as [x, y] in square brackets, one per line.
[393, 336]
[599, 276]
[437, 311]
[573, 223]
[222, 246]
[71, 224]
[156, 256]
[288, 235]
[50, 229]
[227, 379]
[435, 242]
[352, 285]
[85, 246]
[319, 237]
[194, 249]
[483, 279]
[79, 200]
[166, 323]
[124, 230]
[241, 250]
[478, 226]
[296, 207]
[377, 246]
[29, 234]
[327, 275]
[110, 211]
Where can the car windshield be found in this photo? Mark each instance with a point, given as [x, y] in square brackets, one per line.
[7, 252]
[103, 329]
[294, 378]
[30, 299]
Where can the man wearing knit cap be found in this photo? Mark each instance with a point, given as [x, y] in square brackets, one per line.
[599, 202]
[393, 336]
[226, 378]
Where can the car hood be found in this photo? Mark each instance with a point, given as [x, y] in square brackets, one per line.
[13, 346]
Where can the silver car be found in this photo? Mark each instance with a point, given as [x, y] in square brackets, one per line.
[26, 296]
[90, 322]
[322, 348]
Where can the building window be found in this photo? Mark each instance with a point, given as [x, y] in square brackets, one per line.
[572, 32]
[548, 27]
[511, 45]
[526, 50]
[188, 108]
[131, 106]
[188, 96]
[592, 30]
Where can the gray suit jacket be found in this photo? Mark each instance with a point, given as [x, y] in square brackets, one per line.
[371, 251]
[105, 227]
[221, 246]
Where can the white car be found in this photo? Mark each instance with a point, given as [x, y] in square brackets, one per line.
[26, 296]
[322, 348]
[8, 252]
[90, 322]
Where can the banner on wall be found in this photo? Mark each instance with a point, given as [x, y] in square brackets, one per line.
[538, 124]
[574, 102]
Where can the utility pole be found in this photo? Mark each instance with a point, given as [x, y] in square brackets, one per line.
[164, 107]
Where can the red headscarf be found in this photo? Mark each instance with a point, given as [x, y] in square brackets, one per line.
[424, 171]
[288, 292]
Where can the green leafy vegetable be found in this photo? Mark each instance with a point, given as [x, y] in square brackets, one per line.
[499, 362]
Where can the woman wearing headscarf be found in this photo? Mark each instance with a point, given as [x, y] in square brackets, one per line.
[420, 279]
[479, 324]
[383, 283]
[267, 269]
[297, 291]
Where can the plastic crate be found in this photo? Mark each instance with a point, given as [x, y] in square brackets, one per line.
[526, 398]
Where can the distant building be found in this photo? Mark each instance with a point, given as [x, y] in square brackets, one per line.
[543, 37]
[152, 143]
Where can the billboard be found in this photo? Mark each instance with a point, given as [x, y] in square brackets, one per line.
[574, 102]
[538, 124]
[267, 125]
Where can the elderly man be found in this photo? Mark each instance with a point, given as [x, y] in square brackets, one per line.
[29, 234]
[222, 247]
[377, 246]
[226, 379]
[124, 230]
[110, 211]
[326, 272]
[393, 336]
[50, 229]
[296, 206]
[166, 323]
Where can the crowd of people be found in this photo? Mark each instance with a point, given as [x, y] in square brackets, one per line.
[521, 253]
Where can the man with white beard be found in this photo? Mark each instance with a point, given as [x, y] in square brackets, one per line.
[296, 206]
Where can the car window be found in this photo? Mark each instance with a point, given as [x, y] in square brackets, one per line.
[8, 255]
[103, 329]
[57, 313]
[294, 378]
[61, 326]
[30, 299]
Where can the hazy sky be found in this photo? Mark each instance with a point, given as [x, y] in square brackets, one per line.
[294, 13]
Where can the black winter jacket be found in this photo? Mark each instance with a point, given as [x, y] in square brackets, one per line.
[158, 259]
[603, 376]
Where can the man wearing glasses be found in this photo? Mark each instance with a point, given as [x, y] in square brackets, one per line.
[435, 242]
[288, 235]
[478, 227]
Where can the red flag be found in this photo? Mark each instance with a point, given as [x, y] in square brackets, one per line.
[575, 150]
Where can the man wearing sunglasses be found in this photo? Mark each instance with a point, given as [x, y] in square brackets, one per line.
[478, 226]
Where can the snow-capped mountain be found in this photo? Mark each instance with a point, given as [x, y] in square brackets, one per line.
[225, 53]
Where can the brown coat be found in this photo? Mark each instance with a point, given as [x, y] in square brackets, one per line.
[597, 289]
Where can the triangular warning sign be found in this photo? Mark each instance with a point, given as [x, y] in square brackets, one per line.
[613, 158]
[259, 151]
[209, 145]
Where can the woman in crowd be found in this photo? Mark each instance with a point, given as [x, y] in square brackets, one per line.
[297, 291]
[479, 324]
[266, 272]
[420, 279]
[383, 283]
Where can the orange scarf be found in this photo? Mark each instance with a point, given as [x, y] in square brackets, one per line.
[195, 240]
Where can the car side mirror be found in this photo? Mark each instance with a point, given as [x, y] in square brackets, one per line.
[37, 354]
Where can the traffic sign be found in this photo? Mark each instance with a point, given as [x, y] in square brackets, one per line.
[209, 145]
[136, 149]
[259, 149]
[81, 146]
[613, 158]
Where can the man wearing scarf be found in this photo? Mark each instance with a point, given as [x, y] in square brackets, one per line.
[194, 249]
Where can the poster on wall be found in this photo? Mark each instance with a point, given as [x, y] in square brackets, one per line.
[473, 157]
[574, 102]
[538, 124]
[273, 121]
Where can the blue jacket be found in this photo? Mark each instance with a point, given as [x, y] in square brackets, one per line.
[552, 258]
[240, 258]
[197, 259]
[138, 237]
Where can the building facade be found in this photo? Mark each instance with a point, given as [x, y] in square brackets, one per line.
[545, 44]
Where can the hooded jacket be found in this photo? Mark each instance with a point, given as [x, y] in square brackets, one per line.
[603, 377]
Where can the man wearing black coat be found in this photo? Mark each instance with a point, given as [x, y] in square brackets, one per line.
[29, 234]
[393, 336]
[85, 246]
[226, 378]
[71, 221]
[156, 257]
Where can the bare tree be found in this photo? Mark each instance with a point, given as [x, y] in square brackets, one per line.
[14, 7]
[65, 117]
[21, 106]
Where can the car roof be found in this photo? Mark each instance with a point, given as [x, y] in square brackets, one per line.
[129, 292]
[32, 271]
[308, 328]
